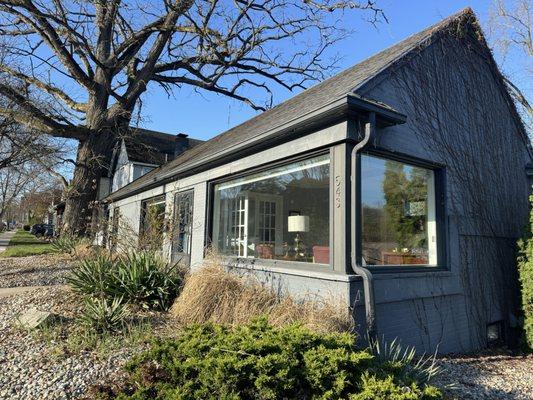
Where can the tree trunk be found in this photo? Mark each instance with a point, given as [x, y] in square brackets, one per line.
[92, 164]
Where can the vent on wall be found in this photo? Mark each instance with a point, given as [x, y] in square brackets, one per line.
[494, 333]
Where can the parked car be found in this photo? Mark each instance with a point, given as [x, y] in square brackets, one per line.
[39, 230]
[49, 231]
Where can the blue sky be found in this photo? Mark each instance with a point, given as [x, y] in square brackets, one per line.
[204, 115]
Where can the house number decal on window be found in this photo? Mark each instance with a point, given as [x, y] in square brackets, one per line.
[338, 191]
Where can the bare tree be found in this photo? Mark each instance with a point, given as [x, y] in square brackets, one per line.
[91, 61]
[19, 181]
[510, 31]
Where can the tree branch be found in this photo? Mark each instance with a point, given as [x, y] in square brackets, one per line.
[57, 93]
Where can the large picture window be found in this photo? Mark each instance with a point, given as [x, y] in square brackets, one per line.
[281, 213]
[398, 213]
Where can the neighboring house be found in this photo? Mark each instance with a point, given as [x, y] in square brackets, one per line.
[399, 185]
[141, 152]
[55, 215]
[134, 156]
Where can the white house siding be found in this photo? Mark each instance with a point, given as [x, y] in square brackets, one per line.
[141, 169]
[301, 281]
[122, 173]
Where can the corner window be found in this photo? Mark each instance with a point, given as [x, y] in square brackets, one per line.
[398, 213]
[281, 213]
[152, 223]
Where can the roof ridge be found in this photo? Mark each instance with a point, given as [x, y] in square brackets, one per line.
[429, 31]
[428, 34]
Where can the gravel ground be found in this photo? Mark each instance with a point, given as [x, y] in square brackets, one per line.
[31, 369]
[42, 270]
[491, 375]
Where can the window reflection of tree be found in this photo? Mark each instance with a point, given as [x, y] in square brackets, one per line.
[401, 222]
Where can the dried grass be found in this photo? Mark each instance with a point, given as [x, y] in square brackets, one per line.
[215, 295]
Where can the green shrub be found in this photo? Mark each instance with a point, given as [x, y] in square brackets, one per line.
[66, 243]
[149, 281]
[142, 278]
[374, 388]
[525, 268]
[258, 361]
[403, 363]
[95, 277]
[103, 315]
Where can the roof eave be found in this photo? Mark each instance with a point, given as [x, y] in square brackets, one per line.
[338, 110]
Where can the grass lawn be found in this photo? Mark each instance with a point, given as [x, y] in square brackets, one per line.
[26, 244]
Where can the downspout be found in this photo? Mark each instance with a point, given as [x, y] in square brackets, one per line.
[356, 257]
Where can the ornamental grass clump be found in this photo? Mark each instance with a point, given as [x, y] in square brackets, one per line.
[67, 243]
[95, 277]
[403, 361]
[212, 294]
[259, 361]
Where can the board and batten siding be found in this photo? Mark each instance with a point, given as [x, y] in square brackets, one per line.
[458, 116]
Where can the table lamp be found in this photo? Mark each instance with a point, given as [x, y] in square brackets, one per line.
[298, 223]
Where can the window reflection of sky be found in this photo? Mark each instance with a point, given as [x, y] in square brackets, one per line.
[372, 176]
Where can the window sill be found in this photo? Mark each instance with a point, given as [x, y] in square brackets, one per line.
[408, 272]
[315, 271]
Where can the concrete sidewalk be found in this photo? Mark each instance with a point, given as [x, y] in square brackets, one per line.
[5, 292]
[5, 238]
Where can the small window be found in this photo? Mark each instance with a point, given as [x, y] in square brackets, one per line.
[152, 223]
[115, 221]
[281, 213]
[398, 213]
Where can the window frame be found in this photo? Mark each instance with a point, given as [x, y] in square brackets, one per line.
[296, 265]
[142, 215]
[186, 192]
[439, 172]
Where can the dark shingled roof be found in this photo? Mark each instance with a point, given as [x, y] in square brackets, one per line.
[152, 147]
[149, 147]
[312, 99]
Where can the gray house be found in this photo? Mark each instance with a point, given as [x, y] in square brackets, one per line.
[399, 184]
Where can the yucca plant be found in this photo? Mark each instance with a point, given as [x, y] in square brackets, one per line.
[149, 281]
[104, 315]
[66, 243]
[404, 362]
[95, 277]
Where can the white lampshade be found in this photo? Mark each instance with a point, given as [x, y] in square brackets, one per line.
[298, 223]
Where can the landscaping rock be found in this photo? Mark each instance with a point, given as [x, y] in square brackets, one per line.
[494, 375]
[34, 318]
